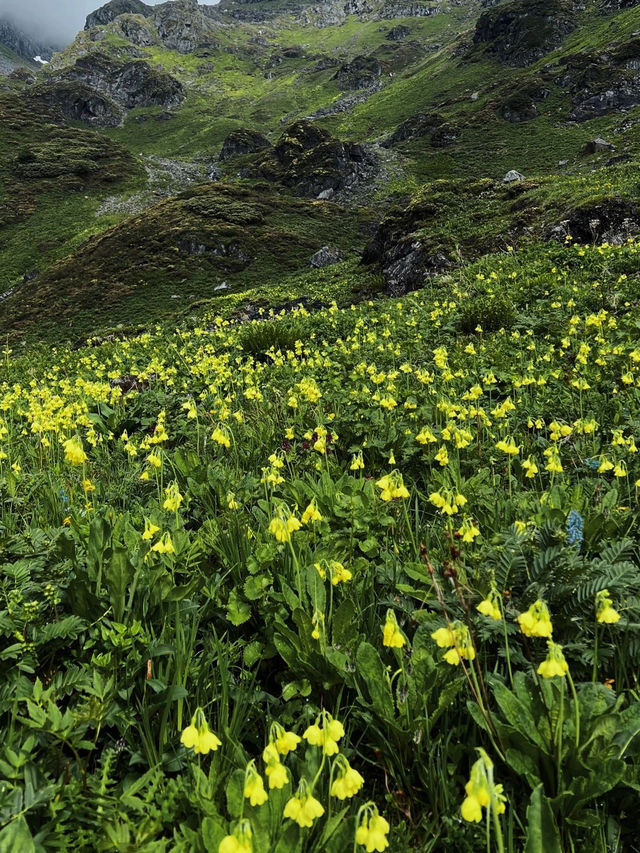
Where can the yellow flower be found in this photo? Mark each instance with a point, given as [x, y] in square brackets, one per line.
[348, 781]
[283, 741]
[536, 621]
[425, 436]
[457, 636]
[164, 545]
[240, 841]
[254, 786]
[303, 807]
[74, 452]
[554, 664]
[605, 611]
[88, 486]
[489, 606]
[530, 467]
[392, 636]
[508, 446]
[283, 526]
[221, 437]
[392, 486]
[480, 791]
[373, 830]
[357, 462]
[443, 637]
[327, 736]
[198, 737]
[173, 497]
[277, 775]
[468, 531]
[150, 529]
[311, 513]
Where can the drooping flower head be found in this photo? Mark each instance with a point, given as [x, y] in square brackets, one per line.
[74, 451]
[605, 611]
[254, 786]
[240, 840]
[372, 829]
[392, 636]
[198, 737]
[490, 606]
[325, 735]
[536, 621]
[458, 637]
[481, 791]
[347, 781]
[555, 663]
[303, 807]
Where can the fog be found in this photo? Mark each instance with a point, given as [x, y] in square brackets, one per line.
[52, 21]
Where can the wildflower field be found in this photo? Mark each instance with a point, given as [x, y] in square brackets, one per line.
[359, 580]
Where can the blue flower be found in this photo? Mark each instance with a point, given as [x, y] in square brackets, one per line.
[575, 527]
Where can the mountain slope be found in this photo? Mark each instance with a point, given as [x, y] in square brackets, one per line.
[362, 103]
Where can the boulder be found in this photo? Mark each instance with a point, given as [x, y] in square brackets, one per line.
[597, 146]
[326, 257]
[398, 33]
[431, 125]
[512, 176]
[243, 141]
[521, 32]
[361, 73]
[612, 220]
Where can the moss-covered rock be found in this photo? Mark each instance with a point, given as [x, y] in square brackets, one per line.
[519, 33]
[243, 141]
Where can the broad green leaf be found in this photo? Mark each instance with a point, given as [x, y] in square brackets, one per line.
[542, 831]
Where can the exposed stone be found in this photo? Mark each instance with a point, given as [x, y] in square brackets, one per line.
[326, 257]
[77, 102]
[613, 220]
[23, 75]
[243, 141]
[360, 73]
[311, 162]
[431, 125]
[521, 105]
[597, 146]
[521, 32]
[512, 176]
[107, 13]
[398, 33]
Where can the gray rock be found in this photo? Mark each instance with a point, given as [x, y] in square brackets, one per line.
[326, 257]
[512, 176]
[597, 146]
[398, 33]
[361, 73]
[243, 141]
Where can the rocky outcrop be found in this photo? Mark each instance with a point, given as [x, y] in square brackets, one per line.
[612, 220]
[361, 73]
[243, 141]
[430, 125]
[399, 33]
[326, 257]
[181, 25]
[520, 33]
[400, 249]
[98, 88]
[311, 162]
[603, 83]
[522, 106]
[77, 102]
[136, 29]
[110, 11]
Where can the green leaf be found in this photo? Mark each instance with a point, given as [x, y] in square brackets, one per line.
[371, 670]
[542, 832]
[238, 611]
[212, 831]
[16, 837]
[118, 576]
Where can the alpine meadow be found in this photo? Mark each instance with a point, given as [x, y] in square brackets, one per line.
[319, 428]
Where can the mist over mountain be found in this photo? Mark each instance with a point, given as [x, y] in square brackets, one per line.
[45, 22]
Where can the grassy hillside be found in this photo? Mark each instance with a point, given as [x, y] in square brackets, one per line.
[364, 513]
